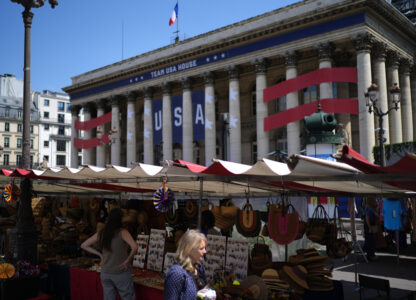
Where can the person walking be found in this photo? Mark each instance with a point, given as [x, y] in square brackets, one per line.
[370, 227]
[187, 276]
[114, 242]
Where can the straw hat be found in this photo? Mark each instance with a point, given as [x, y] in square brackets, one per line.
[256, 286]
[297, 274]
[273, 281]
[318, 265]
[302, 260]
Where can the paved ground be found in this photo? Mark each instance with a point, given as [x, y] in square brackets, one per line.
[401, 274]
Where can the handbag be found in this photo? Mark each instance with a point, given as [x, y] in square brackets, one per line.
[283, 224]
[338, 245]
[221, 221]
[261, 257]
[229, 210]
[317, 226]
[248, 221]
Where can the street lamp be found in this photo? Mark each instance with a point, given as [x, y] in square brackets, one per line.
[26, 234]
[372, 98]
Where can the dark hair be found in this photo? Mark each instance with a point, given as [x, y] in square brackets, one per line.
[112, 226]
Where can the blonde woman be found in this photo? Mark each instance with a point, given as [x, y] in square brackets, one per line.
[187, 276]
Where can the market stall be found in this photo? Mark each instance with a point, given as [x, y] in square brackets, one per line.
[77, 201]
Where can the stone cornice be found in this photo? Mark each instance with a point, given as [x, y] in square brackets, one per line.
[215, 46]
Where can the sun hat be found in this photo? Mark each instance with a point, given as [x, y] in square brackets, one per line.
[297, 274]
[302, 260]
[256, 286]
[273, 281]
[318, 265]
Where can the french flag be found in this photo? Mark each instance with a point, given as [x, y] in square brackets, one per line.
[174, 16]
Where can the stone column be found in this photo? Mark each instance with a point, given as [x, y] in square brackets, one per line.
[263, 142]
[100, 150]
[363, 43]
[86, 153]
[210, 130]
[187, 124]
[167, 122]
[413, 93]
[74, 135]
[406, 101]
[235, 118]
[395, 120]
[148, 127]
[131, 129]
[292, 100]
[325, 51]
[115, 126]
[378, 53]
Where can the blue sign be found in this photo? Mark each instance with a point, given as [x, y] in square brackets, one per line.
[198, 114]
[177, 120]
[198, 118]
[157, 121]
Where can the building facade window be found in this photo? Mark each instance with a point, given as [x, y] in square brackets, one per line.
[46, 127]
[31, 161]
[61, 118]
[60, 145]
[60, 160]
[31, 144]
[45, 102]
[61, 106]
[6, 142]
[46, 115]
[18, 160]
[5, 159]
[310, 94]
[19, 143]
[46, 157]
[31, 128]
[68, 107]
[46, 144]
[7, 127]
[19, 114]
[7, 112]
[19, 127]
[61, 130]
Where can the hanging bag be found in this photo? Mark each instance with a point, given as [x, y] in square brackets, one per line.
[261, 256]
[248, 221]
[317, 226]
[338, 245]
[283, 224]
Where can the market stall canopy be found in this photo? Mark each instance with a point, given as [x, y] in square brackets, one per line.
[301, 175]
[404, 169]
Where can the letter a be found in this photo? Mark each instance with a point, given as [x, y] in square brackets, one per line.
[199, 116]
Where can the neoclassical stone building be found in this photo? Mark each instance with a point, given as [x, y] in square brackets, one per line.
[202, 98]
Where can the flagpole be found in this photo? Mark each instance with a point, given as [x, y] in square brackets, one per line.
[177, 23]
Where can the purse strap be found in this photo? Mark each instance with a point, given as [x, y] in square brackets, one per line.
[262, 238]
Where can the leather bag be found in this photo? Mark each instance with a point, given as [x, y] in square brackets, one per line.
[317, 227]
[248, 221]
[261, 257]
[283, 224]
[338, 245]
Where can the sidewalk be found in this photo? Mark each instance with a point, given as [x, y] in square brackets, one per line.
[402, 275]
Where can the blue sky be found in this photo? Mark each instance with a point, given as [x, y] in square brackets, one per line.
[82, 35]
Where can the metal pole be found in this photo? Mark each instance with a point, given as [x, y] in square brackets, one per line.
[201, 192]
[27, 19]
[381, 140]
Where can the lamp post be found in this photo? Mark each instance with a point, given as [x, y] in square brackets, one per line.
[372, 98]
[26, 234]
